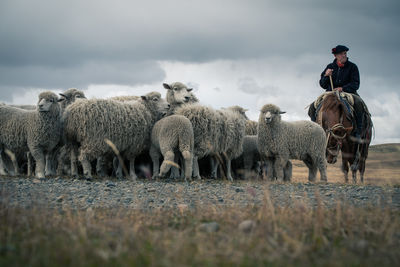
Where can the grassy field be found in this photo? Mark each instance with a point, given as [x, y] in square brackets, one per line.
[382, 167]
[288, 236]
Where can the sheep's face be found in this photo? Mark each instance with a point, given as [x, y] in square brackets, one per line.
[70, 96]
[47, 102]
[154, 101]
[178, 93]
[271, 113]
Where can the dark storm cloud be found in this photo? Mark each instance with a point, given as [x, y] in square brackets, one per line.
[75, 43]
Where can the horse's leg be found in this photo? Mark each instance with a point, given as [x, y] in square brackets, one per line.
[345, 170]
[354, 175]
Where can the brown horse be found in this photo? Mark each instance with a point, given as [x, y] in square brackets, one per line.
[335, 119]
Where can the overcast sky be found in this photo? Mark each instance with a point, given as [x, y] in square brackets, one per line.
[246, 53]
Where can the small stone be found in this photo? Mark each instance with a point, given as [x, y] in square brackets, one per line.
[247, 226]
[36, 181]
[151, 190]
[239, 190]
[110, 185]
[221, 200]
[60, 199]
[210, 227]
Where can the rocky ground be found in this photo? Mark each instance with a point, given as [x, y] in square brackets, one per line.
[145, 194]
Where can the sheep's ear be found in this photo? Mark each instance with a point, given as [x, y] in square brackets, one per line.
[245, 110]
[282, 112]
[189, 89]
[62, 95]
[60, 100]
[166, 86]
[144, 97]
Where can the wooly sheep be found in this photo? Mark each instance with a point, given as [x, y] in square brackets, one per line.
[126, 124]
[250, 159]
[66, 98]
[179, 94]
[36, 131]
[125, 98]
[69, 96]
[216, 132]
[251, 126]
[280, 141]
[169, 135]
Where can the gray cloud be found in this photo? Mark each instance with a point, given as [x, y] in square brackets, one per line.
[60, 44]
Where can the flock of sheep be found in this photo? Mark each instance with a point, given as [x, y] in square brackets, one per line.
[72, 135]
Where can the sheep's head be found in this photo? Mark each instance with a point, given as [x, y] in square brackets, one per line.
[155, 103]
[178, 93]
[240, 110]
[270, 113]
[69, 97]
[47, 102]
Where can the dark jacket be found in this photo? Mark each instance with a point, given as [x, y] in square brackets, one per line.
[347, 77]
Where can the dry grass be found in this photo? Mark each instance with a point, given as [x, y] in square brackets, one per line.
[298, 235]
[382, 167]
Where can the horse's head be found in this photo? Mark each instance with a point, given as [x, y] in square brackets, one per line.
[332, 117]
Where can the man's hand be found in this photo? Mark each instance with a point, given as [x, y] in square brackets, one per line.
[328, 72]
[340, 89]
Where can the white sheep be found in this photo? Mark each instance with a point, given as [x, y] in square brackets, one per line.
[216, 132]
[88, 123]
[170, 134]
[280, 141]
[36, 131]
[68, 97]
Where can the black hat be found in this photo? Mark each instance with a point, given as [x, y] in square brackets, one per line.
[339, 49]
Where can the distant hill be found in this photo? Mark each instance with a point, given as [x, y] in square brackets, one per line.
[384, 156]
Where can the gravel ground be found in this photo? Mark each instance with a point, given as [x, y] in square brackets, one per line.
[144, 194]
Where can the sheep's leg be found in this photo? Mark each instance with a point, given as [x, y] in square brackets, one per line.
[214, 167]
[287, 172]
[132, 172]
[60, 160]
[175, 174]
[100, 167]
[74, 167]
[188, 163]
[30, 161]
[278, 167]
[2, 168]
[155, 158]
[271, 174]
[14, 161]
[49, 169]
[40, 162]
[312, 173]
[87, 167]
[322, 169]
[166, 165]
[228, 169]
[117, 168]
[196, 171]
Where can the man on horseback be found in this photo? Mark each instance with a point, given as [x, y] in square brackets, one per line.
[344, 78]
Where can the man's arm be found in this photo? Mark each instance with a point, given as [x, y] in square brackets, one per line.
[324, 81]
[354, 83]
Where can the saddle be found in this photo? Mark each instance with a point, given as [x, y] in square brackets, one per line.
[346, 98]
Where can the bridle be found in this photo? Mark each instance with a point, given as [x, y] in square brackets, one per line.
[334, 150]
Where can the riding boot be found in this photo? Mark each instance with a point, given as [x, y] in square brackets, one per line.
[311, 112]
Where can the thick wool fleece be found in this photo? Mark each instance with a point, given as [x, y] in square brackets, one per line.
[281, 141]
